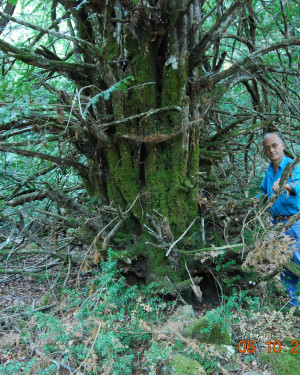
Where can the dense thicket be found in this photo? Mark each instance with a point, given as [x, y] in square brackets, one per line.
[157, 106]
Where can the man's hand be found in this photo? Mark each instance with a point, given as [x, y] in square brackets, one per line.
[275, 186]
[254, 201]
[287, 187]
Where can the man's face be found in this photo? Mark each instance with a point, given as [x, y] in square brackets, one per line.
[273, 148]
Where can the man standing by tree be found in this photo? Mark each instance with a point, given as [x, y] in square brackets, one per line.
[286, 205]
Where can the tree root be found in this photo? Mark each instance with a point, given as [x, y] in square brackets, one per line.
[175, 289]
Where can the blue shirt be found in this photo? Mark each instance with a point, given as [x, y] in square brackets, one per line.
[284, 205]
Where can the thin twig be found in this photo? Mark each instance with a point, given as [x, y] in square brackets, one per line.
[183, 234]
[123, 216]
[143, 114]
[213, 248]
[154, 245]
[58, 364]
[90, 351]
[196, 289]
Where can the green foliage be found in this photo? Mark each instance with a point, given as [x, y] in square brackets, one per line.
[109, 323]
[119, 86]
[222, 316]
[20, 98]
[15, 367]
[222, 267]
[155, 354]
[203, 357]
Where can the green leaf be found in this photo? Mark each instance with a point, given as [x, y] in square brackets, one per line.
[121, 85]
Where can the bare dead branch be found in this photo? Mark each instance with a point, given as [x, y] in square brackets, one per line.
[37, 195]
[9, 10]
[251, 63]
[123, 216]
[34, 59]
[215, 32]
[53, 25]
[46, 31]
[71, 370]
[17, 132]
[183, 234]
[241, 39]
[5, 147]
[142, 115]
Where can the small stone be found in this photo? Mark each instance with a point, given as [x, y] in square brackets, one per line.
[252, 373]
[181, 365]
[184, 313]
[231, 367]
[225, 352]
[215, 336]
[226, 356]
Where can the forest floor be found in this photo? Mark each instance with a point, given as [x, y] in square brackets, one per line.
[21, 296]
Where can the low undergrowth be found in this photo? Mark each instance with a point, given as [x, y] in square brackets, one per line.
[102, 328]
[110, 327]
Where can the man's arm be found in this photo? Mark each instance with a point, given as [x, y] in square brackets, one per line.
[289, 189]
[293, 186]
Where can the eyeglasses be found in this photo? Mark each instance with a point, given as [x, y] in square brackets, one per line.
[273, 145]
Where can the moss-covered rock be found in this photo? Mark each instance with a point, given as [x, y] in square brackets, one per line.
[226, 356]
[183, 313]
[181, 365]
[225, 353]
[282, 363]
[232, 366]
[202, 331]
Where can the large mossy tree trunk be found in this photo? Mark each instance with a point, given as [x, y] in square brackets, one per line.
[153, 145]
